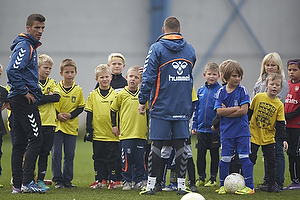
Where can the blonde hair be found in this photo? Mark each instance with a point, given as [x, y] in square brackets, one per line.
[44, 58]
[272, 77]
[102, 68]
[66, 63]
[229, 66]
[134, 68]
[211, 66]
[115, 55]
[271, 57]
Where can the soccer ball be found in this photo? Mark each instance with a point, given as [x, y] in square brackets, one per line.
[234, 182]
[192, 196]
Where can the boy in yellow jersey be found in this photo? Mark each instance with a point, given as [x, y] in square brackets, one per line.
[132, 131]
[70, 105]
[106, 145]
[48, 114]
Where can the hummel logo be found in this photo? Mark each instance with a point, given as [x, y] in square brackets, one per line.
[19, 58]
[33, 124]
[180, 66]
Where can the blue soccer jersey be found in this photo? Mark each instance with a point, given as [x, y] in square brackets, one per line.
[233, 127]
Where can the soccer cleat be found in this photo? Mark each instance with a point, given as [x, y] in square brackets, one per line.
[96, 185]
[42, 185]
[16, 190]
[245, 190]
[200, 182]
[104, 182]
[58, 185]
[221, 190]
[293, 186]
[139, 185]
[274, 188]
[48, 182]
[112, 185]
[32, 188]
[210, 183]
[170, 187]
[193, 188]
[183, 191]
[127, 186]
[147, 192]
[69, 185]
[119, 184]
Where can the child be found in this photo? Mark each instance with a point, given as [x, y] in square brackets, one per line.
[272, 63]
[292, 116]
[48, 114]
[3, 104]
[265, 113]
[116, 63]
[70, 105]
[99, 130]
[232, 106]
[203, 116]
[132, 131]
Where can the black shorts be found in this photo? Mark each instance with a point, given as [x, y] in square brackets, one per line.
[208, 140]
[106, 151]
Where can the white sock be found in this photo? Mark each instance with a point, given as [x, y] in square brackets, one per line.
[181, 183]
[150, 183]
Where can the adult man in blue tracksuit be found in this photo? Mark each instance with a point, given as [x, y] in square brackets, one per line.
[167, 84]
[25, 92]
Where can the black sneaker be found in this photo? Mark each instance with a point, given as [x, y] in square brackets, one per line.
[69, 185]
[147, 192]
[158, 187]
[183, 191]
[59, 185]
[193, 188]
[274, 188]
[262, 186]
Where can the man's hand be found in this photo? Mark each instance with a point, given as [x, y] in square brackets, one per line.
[194, 131]
[142, 109]
[285, 146]
[30, 98]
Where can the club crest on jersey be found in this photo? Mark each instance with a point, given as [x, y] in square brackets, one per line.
[73, 99]
[296, 88]
[179, 66]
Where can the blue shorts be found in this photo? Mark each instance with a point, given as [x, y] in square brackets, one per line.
[241, 144]
[168, 130]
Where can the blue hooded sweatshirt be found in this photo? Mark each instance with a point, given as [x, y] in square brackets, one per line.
[22, 70]
[167, 80]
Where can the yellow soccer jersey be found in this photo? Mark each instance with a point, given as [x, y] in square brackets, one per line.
[47, 111]
[132, 124]
[194, 95]
[69, 101]
[100, 107]
[266, 112]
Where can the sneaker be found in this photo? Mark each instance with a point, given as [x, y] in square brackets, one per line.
[104, 182]
[48, 182]
[42, 185]
[69, 185]
[126, 186]
[210, 183]
[16, 190]
[158, 187]
[147, 192]
[183, 191]
[200, 182]
[193, 188]
[221, 190]
[293, 186]
[32, 188]
[119, 184]
[262, 186]
[112, 185]
[274, 188]
[139, 185]
[245, 190]
[58, 185]
[170, 187]
[96, 185]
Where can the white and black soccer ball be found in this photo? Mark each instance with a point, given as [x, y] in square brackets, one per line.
[234, 182]
[192, 196]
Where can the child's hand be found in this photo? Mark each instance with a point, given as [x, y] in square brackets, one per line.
[63, 116]
[213, 128]
[142, 109]
[194, 131]
[115, 131]
[285, 146]
[50, 93]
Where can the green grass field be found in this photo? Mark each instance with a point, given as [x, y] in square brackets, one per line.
[83, 177]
